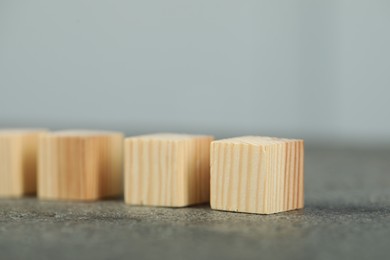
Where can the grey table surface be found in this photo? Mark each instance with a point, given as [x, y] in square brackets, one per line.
[347, 216]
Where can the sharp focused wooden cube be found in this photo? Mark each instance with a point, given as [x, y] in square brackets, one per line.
[18, 161]
[80, 165]
[255, 174]
[167, 170]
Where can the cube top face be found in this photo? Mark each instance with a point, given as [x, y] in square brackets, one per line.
[166, 137]
[256, 140]
[18, 132]
[261, 175]
[167, 170]
[76, 165]
[83, 134]
[18, 161]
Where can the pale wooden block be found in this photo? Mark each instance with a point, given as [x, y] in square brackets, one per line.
[80, 165]
[255, 174]
[170, 170]
[18, 161]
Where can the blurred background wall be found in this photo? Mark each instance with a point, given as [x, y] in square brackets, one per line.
[318, 70]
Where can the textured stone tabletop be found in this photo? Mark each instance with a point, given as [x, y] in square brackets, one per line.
[347, 216]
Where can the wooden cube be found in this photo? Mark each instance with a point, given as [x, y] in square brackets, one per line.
[170, 170]
[18, 161]
[80, 165]
[255, 174]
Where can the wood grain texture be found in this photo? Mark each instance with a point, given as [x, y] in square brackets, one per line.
[255, 174]
[18, 161]
[80, 165]
[170, 170]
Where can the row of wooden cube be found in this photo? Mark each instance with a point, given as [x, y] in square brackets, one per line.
[246, 174]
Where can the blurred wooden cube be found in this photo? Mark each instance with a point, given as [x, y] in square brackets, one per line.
[80, 165]
[170, 170]
[255, 174]
[18, 161]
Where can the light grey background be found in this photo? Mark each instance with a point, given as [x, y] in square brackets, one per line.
[319, 70]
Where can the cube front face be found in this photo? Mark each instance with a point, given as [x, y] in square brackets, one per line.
[18, 162]
[80, 167]
[257, 175]
[11, 166]
[168, 171]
